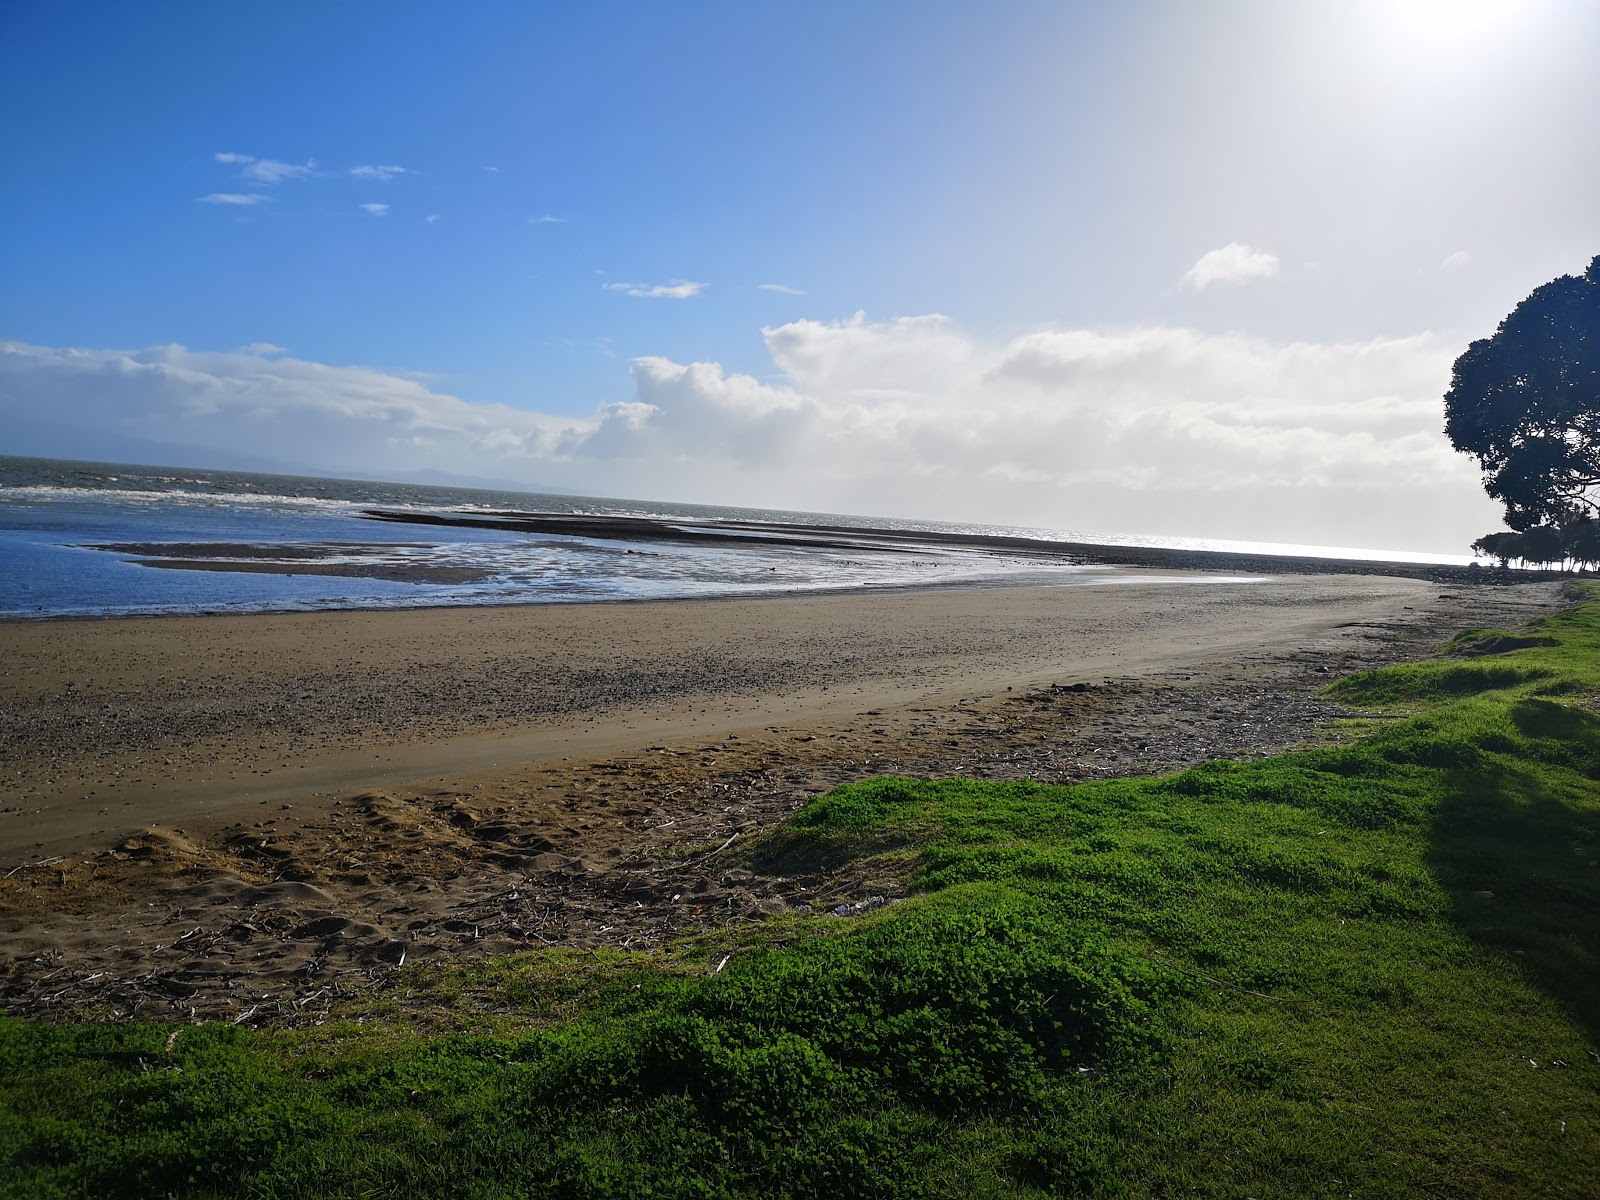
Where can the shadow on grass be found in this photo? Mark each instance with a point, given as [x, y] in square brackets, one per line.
[1530, 834]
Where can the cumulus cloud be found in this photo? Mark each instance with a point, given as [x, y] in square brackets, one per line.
[432, 218]
[375, 210]
[1156, 430]
[383, 174]
[275, 407]
[242, 199]
[781, 287]
[678, 289]
[1233, 263]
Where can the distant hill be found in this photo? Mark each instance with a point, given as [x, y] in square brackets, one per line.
[40, 437]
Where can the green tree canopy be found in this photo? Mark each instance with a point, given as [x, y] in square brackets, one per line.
[1526, 403]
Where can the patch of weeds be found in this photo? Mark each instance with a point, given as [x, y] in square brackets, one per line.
[1475, 643]
[850, 823]
[513, 992]
[1409, 683]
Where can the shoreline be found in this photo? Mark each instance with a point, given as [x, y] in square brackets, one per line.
[998, 583]
[226, 697]
[587, 756]
[1442, 574]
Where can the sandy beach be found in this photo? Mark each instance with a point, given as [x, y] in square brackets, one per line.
[262, 816]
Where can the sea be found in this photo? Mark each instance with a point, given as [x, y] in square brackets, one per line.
[83, 539]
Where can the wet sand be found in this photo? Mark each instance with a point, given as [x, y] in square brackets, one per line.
[384, 560]
[260, 817]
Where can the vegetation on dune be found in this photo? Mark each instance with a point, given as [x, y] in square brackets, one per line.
[1367, 969]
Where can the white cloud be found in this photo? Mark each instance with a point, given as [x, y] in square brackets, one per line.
[379, 172]
[1157, 430]
[1233, 263]
[431, 218]
[262, 348]
[376, 210]
[547, 220]
[266, 170]
[1454, 262]
[781, 287]
[678, 289]
[239, 198]
[270, 170]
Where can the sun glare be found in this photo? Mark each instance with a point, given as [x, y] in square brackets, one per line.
[1454, 17]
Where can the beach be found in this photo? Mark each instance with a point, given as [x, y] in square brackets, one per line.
[257, 817]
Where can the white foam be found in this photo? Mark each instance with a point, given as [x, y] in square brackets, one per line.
[48, 492]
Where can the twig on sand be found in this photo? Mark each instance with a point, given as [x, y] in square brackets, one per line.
[833, 891]
[40, 863]
[696, 862]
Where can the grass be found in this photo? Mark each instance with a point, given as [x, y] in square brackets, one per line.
[1352, 971]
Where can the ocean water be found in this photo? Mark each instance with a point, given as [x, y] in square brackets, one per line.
[53, 515]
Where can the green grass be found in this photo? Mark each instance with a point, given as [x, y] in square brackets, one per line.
[1278, 978]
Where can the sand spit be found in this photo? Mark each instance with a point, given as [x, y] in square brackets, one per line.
[382, 560]
[847, 537]
[261, 818]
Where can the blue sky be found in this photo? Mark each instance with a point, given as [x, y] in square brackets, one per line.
[1381, 171]
[711, 143]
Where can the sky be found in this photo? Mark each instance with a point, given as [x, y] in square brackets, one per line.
[1152, 267]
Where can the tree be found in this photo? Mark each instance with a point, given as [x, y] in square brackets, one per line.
[1504, 546]
[1526, 403]
[1543, 545]
[1582, 540]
